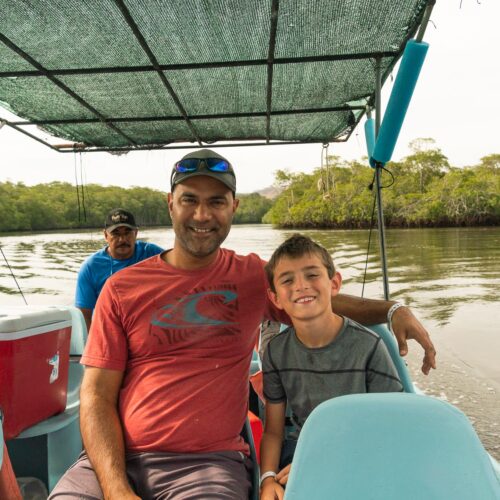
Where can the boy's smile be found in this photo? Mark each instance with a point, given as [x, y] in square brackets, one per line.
[304, 300]
[303, 288]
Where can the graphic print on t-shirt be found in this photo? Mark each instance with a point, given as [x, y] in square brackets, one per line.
[200, 310]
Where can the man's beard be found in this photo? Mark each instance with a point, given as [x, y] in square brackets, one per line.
[199, 247]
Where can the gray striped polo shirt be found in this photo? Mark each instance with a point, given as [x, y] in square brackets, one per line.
[356, 361]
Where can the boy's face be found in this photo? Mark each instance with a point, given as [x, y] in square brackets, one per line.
[303, 288]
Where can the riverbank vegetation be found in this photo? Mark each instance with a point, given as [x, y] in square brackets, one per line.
[423, 190]
[58, 205]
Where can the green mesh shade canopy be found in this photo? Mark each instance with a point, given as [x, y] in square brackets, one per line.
[129, 74]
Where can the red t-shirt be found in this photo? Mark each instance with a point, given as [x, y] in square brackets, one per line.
[184, 340]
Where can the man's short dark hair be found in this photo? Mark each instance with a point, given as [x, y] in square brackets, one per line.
[295, 247]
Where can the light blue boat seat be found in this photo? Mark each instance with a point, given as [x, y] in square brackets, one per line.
[392, 346]
[79, 333]
[47, 449]
[255, 365]
[390, 446]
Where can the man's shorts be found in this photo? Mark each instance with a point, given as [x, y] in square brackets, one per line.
[219, 475]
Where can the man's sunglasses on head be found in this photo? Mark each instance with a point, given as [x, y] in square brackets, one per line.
[212, 164]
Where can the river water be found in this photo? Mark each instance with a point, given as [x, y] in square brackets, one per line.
[450, 277]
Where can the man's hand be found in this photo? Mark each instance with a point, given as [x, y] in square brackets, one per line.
[282, 476]
[271, 490]
[405, 326]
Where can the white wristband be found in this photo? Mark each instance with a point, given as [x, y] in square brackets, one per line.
[391, 312]
[267, 474]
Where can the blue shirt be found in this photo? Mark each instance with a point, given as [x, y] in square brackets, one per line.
[100, 266]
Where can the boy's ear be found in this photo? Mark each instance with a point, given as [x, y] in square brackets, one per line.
[336, 283]
[274, 298]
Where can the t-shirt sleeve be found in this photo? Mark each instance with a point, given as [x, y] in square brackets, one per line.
[107, 342]
[382, 375]
[274, 391]
[85, 295]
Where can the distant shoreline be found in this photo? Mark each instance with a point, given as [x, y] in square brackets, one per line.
[276, 226]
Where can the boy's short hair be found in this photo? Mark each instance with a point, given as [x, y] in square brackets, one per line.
[295, 247]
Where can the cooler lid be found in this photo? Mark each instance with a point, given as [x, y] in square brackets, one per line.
[19, 318]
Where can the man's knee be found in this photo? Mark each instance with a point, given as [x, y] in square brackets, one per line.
[79, 482]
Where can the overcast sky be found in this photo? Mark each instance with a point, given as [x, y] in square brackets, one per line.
[456, 102]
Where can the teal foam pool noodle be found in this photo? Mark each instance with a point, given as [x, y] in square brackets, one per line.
[411, 64]
[370, 135]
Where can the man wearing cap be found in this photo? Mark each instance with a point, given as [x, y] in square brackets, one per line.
[165, 391]
[122, 250]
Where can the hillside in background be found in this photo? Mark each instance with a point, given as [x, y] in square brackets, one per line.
[270, 192]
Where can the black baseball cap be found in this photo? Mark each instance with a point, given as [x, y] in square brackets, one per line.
[119, 217]
[206, 158]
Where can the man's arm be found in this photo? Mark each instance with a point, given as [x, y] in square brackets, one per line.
[85, 293]
[87, 315]
[102, 432]
[404, 323]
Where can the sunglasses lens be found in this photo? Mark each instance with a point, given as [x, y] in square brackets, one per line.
[187, 165]
[192, 165]
[217, 165]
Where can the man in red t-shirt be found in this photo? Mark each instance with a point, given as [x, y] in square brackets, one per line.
[165, 391]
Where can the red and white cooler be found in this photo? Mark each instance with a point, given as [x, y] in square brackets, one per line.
[34, 363]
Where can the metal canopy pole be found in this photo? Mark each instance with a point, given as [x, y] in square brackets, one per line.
[378, 173]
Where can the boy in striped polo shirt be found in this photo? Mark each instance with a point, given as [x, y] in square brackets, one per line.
[323, 355]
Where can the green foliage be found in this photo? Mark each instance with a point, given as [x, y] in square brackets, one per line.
[427, 191]
[251, 209]
[55, 206]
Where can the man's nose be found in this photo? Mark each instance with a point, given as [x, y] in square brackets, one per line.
[202, 212]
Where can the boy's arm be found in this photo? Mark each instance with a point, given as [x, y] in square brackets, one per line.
[270, 449]
[404, 323]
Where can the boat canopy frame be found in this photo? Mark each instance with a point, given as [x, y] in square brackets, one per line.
[121, 75]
